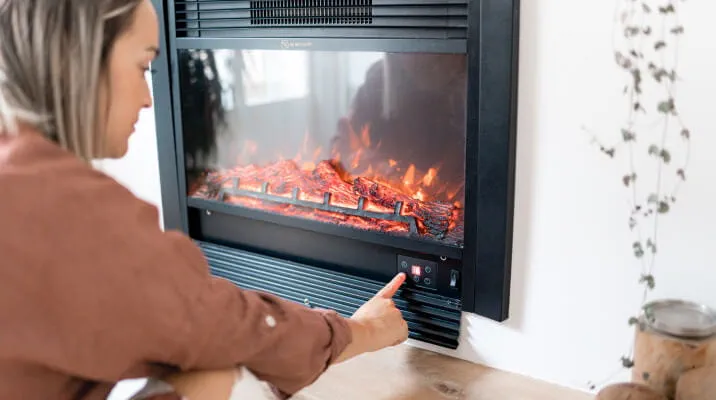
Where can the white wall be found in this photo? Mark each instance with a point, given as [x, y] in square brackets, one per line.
[139, 169]
[574, 276]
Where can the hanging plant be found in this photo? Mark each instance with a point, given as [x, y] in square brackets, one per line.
[653, 139]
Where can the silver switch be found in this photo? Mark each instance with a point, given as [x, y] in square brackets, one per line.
[453, 278]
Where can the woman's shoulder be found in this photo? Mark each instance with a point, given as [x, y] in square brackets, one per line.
[45, 180]
[74, 215]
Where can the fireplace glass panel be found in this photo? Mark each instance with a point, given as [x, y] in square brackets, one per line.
[366, 140]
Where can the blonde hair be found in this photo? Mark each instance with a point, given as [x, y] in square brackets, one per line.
[53, 54]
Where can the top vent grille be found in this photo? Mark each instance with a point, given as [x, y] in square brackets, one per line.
[413, 19]
[311, 12]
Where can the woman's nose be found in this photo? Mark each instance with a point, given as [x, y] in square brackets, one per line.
[147, 101]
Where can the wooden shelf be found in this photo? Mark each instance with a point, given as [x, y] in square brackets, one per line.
[408, 373]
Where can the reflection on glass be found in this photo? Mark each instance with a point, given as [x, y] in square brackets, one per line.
[266, 79]
[373, 141]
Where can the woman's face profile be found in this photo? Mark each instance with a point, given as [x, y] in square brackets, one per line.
[126, 91]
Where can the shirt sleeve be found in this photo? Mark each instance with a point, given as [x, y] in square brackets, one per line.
[286, 344]
[126, 292]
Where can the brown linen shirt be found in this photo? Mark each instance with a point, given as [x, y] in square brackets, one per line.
[92, 291]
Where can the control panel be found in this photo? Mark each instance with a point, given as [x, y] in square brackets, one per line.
[422, 273]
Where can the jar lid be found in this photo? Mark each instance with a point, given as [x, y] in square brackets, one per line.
[681, 318]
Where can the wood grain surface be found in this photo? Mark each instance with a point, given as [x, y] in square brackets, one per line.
[408, 373]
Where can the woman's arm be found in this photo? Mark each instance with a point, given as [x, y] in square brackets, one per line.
[199, 322]
[103, 294]
[114, 296]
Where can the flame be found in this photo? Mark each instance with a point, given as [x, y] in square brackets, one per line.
[419, 195]
[317, 154]
[420, 185]
[365, 136]
[430, 176]
[357, 158]
[409, 176]
[355, 142]
[347, 177]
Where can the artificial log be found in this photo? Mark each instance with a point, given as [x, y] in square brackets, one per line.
[697, 384]
[438, 220]
[435, 217]
[660, 359]
[328, 179]
[629, 391]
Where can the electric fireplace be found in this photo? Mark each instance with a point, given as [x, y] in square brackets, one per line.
[315, 148]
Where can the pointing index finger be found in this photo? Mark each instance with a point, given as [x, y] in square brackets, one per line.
[389, 290]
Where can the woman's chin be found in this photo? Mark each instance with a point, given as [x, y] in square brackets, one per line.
[117, 152]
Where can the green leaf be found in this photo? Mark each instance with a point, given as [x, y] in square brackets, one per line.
[633, 321]
[628, 135]
[648, 280]
[668, 9]
[609, 152]
[653, 149]
[677, 30]
[651, 246]
[622, 60]
[631, 31]
[663, 207]
[666, 106]
[680, 172]
[636, 76]
[647, 31]
[627, 179]
[645, 7]
[632, 223]
[659, 74]
[653, 198]
[685, 133]
[659, 45]
[638, 250]
[665, 155]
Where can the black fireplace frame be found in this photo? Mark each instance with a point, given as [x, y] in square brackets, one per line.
[492, 55]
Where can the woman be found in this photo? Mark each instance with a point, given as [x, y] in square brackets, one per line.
[91, 290]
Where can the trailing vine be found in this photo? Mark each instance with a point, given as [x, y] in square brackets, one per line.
[653, 139]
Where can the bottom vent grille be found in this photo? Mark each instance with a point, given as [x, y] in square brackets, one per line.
[431, 318]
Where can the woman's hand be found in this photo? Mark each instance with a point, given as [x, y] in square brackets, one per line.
[378, 323]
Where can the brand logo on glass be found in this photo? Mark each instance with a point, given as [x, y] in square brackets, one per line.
[292, 44]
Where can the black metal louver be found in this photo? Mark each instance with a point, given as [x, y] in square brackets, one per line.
[431, 318]
[321, 18]
[311, 12]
